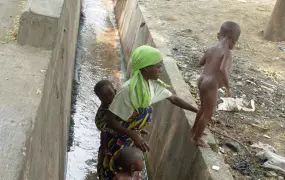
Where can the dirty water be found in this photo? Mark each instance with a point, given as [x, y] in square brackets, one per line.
[98, 57]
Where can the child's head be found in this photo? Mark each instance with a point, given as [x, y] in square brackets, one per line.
[231, 31]
[105, 91]
[130, 159]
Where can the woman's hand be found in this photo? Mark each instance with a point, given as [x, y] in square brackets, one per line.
[144, 132]
[139, 142]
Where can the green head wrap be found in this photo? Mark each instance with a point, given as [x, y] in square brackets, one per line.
[142, 57]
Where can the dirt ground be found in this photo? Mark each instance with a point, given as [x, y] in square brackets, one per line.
[258, 70]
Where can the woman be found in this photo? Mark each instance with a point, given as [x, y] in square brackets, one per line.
[131, 108]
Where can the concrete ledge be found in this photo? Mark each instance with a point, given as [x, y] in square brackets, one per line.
[39, 23]
[20, 94]
[173, 155]
[47, 146]
[51, 8]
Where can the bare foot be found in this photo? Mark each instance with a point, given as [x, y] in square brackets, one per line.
[200, 142]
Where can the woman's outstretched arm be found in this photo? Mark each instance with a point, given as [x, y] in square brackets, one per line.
[182, 104]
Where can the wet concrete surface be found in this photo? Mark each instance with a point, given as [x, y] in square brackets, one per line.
[98, 57]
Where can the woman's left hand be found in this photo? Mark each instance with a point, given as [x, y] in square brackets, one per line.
[140, 142]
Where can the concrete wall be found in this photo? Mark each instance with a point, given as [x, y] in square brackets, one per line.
[39, 23]
[173, 156]
[46, 148]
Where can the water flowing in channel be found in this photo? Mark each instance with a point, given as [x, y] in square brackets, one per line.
[98, 57]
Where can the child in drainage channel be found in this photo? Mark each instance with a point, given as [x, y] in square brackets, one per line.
[105, 91]
[217, 62]
[130, 161]
[131, 108]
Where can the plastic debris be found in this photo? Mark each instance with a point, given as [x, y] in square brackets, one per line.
[281, 48]
[262, 146]
[272, 160]
[216, 168]
[236, 104]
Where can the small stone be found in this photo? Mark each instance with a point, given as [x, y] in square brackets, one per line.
[274, 174]
[251, 82]
[263, 105]
[280, 178]
[221, 91]
[186, 30]
[7, 79]
[271, 174]
[268, 137]
[222, 150]
[252, 121]
[193, 84]
[216, 168]
[239, 77]
[233, 146]
[38, 91]
[239, 83]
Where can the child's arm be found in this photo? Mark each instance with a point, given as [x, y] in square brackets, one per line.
[224, 70]
[182, 104]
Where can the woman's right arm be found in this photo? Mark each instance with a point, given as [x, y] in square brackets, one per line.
[116, 126]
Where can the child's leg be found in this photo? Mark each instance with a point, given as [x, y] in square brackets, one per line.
[197, 119]
[200, 112]
[209, 103]
[107, 138]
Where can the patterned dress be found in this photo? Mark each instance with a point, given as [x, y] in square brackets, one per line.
[136, 122]
[106, 134]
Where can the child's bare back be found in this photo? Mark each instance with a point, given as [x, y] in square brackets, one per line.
[213, 73]
[217, 62]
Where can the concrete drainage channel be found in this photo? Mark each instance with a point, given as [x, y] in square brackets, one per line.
[172, 157]
[98, 57]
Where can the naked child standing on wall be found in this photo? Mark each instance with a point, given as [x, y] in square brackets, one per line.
[217, 62]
